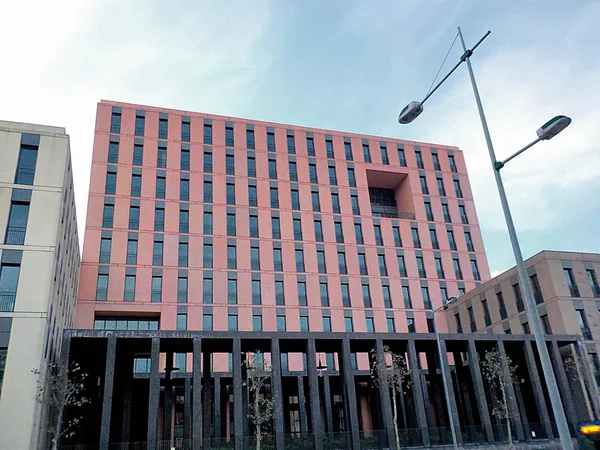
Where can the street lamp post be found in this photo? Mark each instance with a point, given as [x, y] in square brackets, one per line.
[546, 132]
[444, 379]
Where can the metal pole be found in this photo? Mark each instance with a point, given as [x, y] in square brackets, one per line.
[534, 318]
[445, 382]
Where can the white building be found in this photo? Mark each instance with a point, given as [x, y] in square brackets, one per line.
[39, 270]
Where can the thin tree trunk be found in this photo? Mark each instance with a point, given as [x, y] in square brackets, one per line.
[395, 411]
[508, 428]
[257, 418]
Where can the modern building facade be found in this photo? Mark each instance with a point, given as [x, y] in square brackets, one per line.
[39, 270]
[567, 292]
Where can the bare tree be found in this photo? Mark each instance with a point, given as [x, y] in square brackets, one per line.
[500, 374]
[396, 372]
[60, 386]
[261, 408]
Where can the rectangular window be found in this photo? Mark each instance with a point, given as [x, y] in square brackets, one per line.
[184, 190]
[299, 254]
[157, 253]
[440, 185]
[324, 294]
[230, 193]
[410, 324]
[316, 203]
[232, 291]
[185, 131]
[110, 186]
[419, 158]
[254, 226]
[208, 192]
[346, 295]
[279, 293]
[592, 281]
[366, 153]
[207, 164]
[362, 264]
[105, 246]
[113, 152]
[129, 293]
[332, 176]
[378, 235]
[291, 144]
[310, 146]
[293, 171]
[327, 324]
[391, 327]
[207, 256]
[295, 199]
[402, 266]
[384, 155]
[451, 240]
[18, 217]
[132, 247]
[318, 231]
[458, 323]
[107, 216]
[161, 158]
[182, 290]
[252, 196]
[486, 313]
[115, 122]
[231, 226]
[231, 257]
[463, 214]
[270, 141]
[138, 154]
[251, 166]
[322, 266]
[444, 295]
[232, 322]
[583, 324]
[185, 159]
[434, 240]
[457, 188]
[257, 322]
[304, 324]
[370, 325]
[452, 163]
[401, 155]
[254, 258]
[207, 321]
[140, 124]
[229, 165]
[537, 291]
[229, 136]
[134, 217]
[329, 148]
[475, 270]
[208, 223]
[382, 266]
[574, 290]
[10, 276]
[439, 268]
[335, 202]
[183, 254]
[358, 233]
[387, 296]
[256, 294]
[272, 169]
[428, 212]
[446, 212]
[406, 297]
[424, 188]
[207, 291]
[297, 227]
[249, 139]
[208, 133]
[348, 324]
[472, 322]
[159, 219]
[436, 161]
[469, 241]
[274, 197]
[518, 298]
[426, 298]
[276, 227]
[136, 185]
[348, 151]
[343, 268]
[415, 237]
[546, 324]
[355, 206]
[302, 298]
[312, 171]
[501, 305]
[156, 293]
[339, 232]
[457, 270]
[181, 321]
[277, 260]
[351, 177]
[161, 186]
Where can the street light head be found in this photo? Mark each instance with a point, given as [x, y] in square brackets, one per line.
[553, 127]
[410, 112]
[451, 300]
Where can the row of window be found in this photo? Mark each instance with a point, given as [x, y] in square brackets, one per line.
[140, 123]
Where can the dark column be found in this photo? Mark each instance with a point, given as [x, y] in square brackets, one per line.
[588, 381]
[238, 407]
[196, 397]
[513, 406]
[153, 395]
[109, 378]
[523, 411]
[384, 394]
[168, 403]
[482, 406]
[206, 398]
[538, 392]
[277, 394]
[302, 405]
[453, 409]
[415, 375]
[217, 407]
[563, 385]
[65, 349]
[127, 401]
[350, 390]
[186, 407]
[327, 395]
[313, 392]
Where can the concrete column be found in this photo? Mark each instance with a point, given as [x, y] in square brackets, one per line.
[127, 403]
[109, 379]
[538, 391]
[384, 395]
[302, 405]
[238, 406]
[513, 406]
[277, 393]
[350, 391]
[206, 398]
[588, 381]
[168, 403]
[453, 409]
[563, 385]
[196, 397]
[417, 388]
[154, 395]
[523, 411]
[187, 404]
[217, 407]
[328, 408]
[482, 406]
[313, 392]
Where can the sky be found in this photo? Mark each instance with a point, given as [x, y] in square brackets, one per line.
[344, 65]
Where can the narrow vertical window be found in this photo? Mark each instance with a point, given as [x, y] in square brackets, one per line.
[115, 122]
[163, 128]
[250, 139]
[185, 131]
[140, 124]
[229, 136]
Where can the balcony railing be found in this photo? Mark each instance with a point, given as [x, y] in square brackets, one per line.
[7, 301]
[15, 235]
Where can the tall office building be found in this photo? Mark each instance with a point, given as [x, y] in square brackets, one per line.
[39, 270]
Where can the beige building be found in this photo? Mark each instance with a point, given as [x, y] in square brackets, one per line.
[39, 270]
[567, 292]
